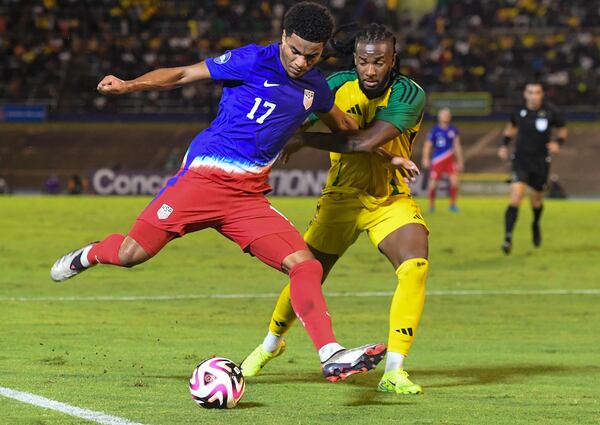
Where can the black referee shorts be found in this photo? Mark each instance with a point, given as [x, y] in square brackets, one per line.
[533, 172]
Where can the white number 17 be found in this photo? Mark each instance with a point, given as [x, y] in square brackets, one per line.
[270, 108]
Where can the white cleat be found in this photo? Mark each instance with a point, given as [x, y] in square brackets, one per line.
[70, 264]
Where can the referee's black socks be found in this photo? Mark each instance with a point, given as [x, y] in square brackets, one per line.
[537, 213]
[510, 218]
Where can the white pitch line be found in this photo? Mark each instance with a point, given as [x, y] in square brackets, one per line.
[434, 293]
[46, 403]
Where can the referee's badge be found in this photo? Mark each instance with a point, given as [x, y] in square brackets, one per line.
[309, 95]
[541, 124]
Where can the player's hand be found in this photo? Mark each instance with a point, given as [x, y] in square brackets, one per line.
[503, 153]
[460, 167]
[293, 146]
[112, 85]
[426, 163]
[409, 168]
[553, 148]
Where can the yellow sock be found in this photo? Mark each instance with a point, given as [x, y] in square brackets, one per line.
[407, 304]
[283, 316]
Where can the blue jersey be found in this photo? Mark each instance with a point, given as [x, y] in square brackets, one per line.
[260, 109]
[443, 143]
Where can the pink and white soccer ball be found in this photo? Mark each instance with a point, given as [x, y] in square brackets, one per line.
[217, 383]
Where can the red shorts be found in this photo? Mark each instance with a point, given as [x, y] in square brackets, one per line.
[190, 202]
[442, 168]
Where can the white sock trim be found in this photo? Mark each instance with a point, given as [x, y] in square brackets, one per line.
[271, 342]
[328, 350]
[84, 256]
[394, 361]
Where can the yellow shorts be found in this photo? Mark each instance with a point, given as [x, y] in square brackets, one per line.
[340, 219]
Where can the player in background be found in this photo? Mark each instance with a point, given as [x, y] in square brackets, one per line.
[532, 123]
[363, 193]
[268, 93]
[448, 159]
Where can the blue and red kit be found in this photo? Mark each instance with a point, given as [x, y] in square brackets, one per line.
[442, 162]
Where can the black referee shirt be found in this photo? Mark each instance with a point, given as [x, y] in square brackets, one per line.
[534, 130]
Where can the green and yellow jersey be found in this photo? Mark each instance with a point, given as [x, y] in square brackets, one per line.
[368, 175]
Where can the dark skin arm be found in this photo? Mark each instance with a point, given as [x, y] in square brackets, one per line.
[367, 140]
[370, 139]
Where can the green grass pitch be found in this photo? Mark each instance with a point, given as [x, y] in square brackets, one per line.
[482, 359]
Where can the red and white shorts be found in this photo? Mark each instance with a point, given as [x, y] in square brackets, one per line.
[190, 202]
[445, 167]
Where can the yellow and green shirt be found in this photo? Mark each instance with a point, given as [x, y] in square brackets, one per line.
[368, 175]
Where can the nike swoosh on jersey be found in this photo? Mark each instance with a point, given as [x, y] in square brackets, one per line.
[267, 84]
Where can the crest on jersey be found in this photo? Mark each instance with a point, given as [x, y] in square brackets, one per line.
[223, 58]
[541, 124]
[523, 113]
[164, 212]
[309, 96]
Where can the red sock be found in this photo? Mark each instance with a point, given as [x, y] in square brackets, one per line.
[453, 194]
[308, 302]
[107, 251]
[431, 198]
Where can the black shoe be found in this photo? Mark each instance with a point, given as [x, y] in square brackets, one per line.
[507, 247]
[537, 235]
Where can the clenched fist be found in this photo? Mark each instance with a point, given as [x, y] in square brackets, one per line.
[112, 85]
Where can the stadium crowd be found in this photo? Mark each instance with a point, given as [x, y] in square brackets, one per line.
[57, 50]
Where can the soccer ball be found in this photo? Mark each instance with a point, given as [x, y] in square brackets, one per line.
[217, 383]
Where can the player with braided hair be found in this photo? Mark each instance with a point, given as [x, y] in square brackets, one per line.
[363, 193]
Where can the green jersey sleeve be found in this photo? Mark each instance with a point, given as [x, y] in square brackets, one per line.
[405, 106]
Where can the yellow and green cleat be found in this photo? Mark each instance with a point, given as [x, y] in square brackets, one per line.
[396, 381]
[253, 364]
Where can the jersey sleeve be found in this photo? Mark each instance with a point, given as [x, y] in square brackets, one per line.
[324, 97]
[334, 82]
[233, 65]
[405, 106]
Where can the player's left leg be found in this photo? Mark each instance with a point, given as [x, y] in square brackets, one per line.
[288, 252]
[282, 320]
[537, 205]
[407, 250]
[398, 230]
[432, 190]
[265, 233]
[454, 182]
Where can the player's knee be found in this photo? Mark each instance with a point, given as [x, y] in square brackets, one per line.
[131, 253]
[417, 268]
[297, 258]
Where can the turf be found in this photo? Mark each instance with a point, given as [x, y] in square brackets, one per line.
[493, 359]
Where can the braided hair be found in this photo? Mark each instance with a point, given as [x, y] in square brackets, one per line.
[344, 40]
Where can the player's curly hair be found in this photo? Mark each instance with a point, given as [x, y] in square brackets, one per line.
[309, 21]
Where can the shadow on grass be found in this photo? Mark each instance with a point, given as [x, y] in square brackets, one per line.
[480, 375]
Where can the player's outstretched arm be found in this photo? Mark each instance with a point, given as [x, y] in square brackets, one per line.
[159, 79]
[338, 120]
[367, 140]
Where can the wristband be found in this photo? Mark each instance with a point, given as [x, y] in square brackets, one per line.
[559, 140]
[506, 140]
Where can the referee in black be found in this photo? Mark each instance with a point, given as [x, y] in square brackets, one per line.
[533, 124]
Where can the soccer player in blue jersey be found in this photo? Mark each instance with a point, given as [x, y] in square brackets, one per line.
[447, 160]
[268, 93]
